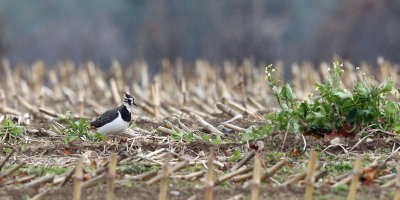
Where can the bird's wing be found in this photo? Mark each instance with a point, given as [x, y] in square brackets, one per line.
[105, 118]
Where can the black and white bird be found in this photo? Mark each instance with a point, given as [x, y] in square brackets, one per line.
[116, 120]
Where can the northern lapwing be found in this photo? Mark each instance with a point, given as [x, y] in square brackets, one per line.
[116, 120]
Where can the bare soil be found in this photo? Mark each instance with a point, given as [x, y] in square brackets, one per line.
[50, 151]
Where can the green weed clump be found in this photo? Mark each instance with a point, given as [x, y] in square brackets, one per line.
[335, 110]
[181, 136]
[78, 130]
[10, 131]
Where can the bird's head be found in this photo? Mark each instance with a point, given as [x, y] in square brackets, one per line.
[129, 100]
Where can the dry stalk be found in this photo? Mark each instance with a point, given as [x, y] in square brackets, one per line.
[164, 182]
[235, 128]
[227, 176]
[171, 109]
[153, 153]
[67, 177]
[320, 175]
[42, 102]
[144, 176]
[343, 181]
[31, 108]
[243, 160]
[94, 106]
[181, 125]
[10, 80]
[50, 113]
[155, 97]
[25, 104]
[243, 92]
[105, 166]
[6, 158]
[81, 102]
[219, 164]
[94, 181]
[194, 175]
[69, 94]
[3, 99]
[271, 171]
[149, 159]
[192, 111]
[143, 131]
[54, 82]
[341, 177]
[242, 177]
[397, 193]
[286, 132]
[346, 178]
[300, 176]
[240, 107]
[237, 197]
[225, 109]
[385, 177]
[254, 102]
[165, 130]
[78, 180]
[202, 105]
[356, 179]
[255, 190]
[112, 168]
[173, 169]
[391, 183]
[114, 91]
[310, 174]
[146, 108]
[240, 116]
[207, 126]
[40, 181]
[184, 92]
[10, 110]
[12, 170]
[41, 195]
[173, 127]
[22, 180]
[209, 181]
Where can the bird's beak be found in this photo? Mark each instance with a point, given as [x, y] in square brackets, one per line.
[135, 104]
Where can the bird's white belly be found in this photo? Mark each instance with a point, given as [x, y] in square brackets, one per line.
[118, 125]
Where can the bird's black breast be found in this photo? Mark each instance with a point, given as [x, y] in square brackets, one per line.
[125, 114]
[105, 118]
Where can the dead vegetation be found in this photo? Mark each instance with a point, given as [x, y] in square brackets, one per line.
[182, 114]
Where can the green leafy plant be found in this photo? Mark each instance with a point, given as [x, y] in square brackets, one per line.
[79, 130]
[206, 137]
[254, 134]
[235, 155]
[181, 136]
[217, 140]
[10, 131]
[335, 109]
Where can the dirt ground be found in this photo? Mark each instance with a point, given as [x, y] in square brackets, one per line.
[140, 191]
[42, 150]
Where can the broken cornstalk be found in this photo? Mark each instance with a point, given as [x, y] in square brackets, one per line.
[209, 179]
[310, 175]
[78, 180]
[164, 182]
[255, 190]
[356, 179]
[111, 176]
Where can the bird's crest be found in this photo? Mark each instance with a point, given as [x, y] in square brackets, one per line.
[129, 100]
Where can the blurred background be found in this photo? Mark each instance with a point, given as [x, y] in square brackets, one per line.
[287, 30]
